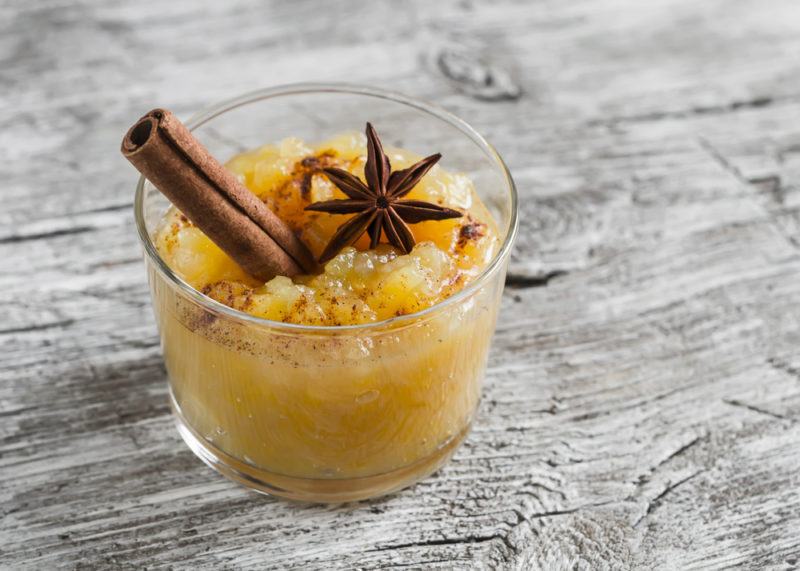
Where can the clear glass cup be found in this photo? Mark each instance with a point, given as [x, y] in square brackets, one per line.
[320, 413]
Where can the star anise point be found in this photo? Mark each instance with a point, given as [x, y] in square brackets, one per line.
[376, 203]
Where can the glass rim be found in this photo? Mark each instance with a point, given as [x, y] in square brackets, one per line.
[213, 111]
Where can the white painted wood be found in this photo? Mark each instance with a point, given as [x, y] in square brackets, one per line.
[642, 402]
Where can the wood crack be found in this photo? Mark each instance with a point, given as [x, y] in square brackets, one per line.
[478, 539]
[681, 450]
[110, 208]
[656, 501]
[519, 281]
[741, 404]
[16, 411]
[721, 160]
[39, 327]
[17, 238]
[776, 190]
[468, 539]
[115, 263]
[772, 181]
[677, 452]
[784, 367]
[697, 110]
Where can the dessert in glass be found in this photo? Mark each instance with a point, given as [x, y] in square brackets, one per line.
[361, 375]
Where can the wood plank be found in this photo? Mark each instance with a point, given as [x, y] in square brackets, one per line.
[641, 403]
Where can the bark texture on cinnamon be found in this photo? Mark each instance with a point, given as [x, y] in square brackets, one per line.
[168, 155]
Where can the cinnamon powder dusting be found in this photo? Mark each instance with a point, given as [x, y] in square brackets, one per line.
[471, 231]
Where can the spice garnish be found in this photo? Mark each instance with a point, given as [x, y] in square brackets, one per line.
[377, 203]
[169, 155]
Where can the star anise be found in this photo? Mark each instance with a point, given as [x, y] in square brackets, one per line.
[376, 204]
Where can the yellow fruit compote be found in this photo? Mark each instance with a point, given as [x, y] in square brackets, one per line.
[335, 413]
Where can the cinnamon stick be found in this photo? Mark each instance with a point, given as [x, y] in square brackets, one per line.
[168, 155]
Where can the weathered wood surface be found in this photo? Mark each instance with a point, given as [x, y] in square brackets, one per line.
[642, 402]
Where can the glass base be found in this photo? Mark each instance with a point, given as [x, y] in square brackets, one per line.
[332, 490]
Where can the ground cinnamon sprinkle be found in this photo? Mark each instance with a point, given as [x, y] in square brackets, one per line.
[472, 230]
[306, 169]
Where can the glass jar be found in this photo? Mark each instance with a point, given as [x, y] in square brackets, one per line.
[323, 413]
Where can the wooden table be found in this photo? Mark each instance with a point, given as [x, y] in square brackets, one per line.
[643, 395]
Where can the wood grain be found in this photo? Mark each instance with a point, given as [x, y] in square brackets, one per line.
[642, 402]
